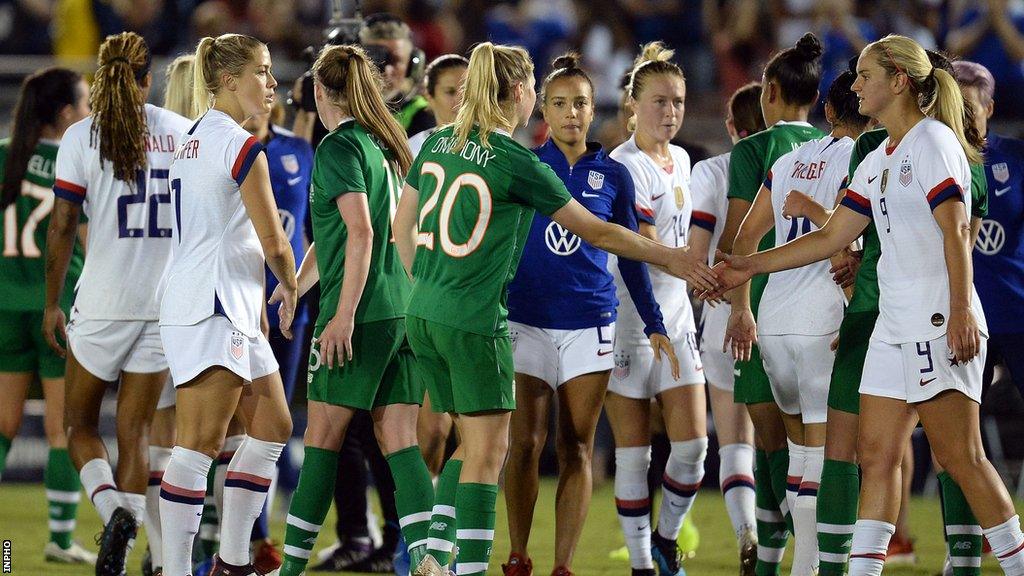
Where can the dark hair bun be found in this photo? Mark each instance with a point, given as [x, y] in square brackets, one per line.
[809, 47]
[569, 60]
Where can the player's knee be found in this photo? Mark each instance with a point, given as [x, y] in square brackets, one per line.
[691, 452]
[528, 445]
[574, 453]
[877, 453]
[277, 428]
[961, 461]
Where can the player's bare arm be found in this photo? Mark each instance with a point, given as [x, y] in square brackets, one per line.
[963, 335]
[404, 226]
[742, 330]
[258, 198]
[60, 242]
[680, 262]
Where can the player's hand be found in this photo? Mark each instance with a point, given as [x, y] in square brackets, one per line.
[844, 272]
[796, 204]
[336, 338]
[53, 324]
[286, 312]
[660, 343]
[963, 336]
[691, 267]
[731, 272]
[740, 334]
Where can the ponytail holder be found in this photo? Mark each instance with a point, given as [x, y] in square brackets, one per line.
[888, 52]
[117, 59]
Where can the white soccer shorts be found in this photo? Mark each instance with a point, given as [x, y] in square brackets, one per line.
[168, 398]
[108, 347]
[557, 356]
[638, 375]
[719, 367]
[799, 369]
[918, 371]
[216, 342]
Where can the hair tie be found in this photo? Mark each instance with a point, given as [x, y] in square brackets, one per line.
[117, 59]
[893, 60]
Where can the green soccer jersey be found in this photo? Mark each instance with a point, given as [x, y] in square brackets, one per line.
[349, 160]
[475, 211]
[749, 164]
[22, 267]
[865, 288]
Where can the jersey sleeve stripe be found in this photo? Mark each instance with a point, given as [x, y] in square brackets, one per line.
[645, 214]
[704, 220]
[69, 191]
[246, 157]
[768, 181]
[857, 203]
[945, 190]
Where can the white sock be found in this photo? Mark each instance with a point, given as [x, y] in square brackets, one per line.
[181, 507]
[231, 444]
[158, 457]
[1008, 546]
[136, 504]
[633, 502]
[870, 543]
[98, 482]
[805, 524]
[794, 474]
[684, 471]
[737, 479]
[245, 490]
[271, 494]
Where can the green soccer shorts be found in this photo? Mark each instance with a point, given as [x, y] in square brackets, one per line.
[752, 385]
[380, 373]
[23, 348]
[854, 334]
[463, 372]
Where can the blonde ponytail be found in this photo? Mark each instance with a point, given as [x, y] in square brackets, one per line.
[179, 94]
[225, 54]
[350, 80]
[201, 97]
[948, 107]
[493, 70]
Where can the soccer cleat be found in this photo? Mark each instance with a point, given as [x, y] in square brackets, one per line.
[430, 567]
[147, 562]
[748, 552]
[518, 565]
[643, 572]
[562, 571]
[266, 557]
[900, 552]
[342, 556]
[380, 561]
[74, 554]
[947, 568]
[222, 568]
[667, 556]
[115, 543]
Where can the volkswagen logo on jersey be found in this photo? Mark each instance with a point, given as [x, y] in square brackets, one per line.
[596, 179]
[561, 241]
[1001, 172]
[991, 238]
[906, 172]
[287, 222]
[290, 163]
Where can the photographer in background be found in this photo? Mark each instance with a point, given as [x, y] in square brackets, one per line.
[402, 67]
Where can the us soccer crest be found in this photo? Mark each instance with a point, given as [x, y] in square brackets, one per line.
[595, 179]
[621, 371]
[906, 172]
[680, 197]
[290, 163]
[1001, 172]
[236, 345]
[885, 180]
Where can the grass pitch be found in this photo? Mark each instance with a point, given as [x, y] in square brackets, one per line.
[23, 522]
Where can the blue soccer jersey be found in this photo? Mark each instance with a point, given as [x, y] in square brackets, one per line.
[999, 252]
[291, 163]
[563, 283]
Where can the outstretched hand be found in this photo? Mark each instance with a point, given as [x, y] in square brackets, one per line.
[731, 272]
[691, 267]
[796, 204]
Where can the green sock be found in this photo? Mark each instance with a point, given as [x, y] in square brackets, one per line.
[771, 527]
[441, 535]
[5, 447]
[837, 514]
[62, 494]
[414, 499]
[209, 524]
[310, 504]
[963, 534]
[475, 505]
[778, 466]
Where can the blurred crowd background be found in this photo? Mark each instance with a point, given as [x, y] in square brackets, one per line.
[721, 44]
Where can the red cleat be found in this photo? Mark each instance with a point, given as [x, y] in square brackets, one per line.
[518, 566]
[901, 551]
[562, 571]
[266, 557]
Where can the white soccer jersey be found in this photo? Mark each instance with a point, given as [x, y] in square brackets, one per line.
[130, 225]
[662, 198]
[217, 263]
[804, 300]
[899, 188]
[710, 186]
[416, 140]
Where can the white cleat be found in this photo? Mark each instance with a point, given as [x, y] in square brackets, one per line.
[73, 555]
[430, 567]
